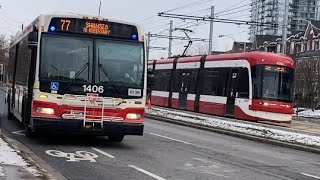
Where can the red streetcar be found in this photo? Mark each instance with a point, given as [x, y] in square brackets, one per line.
[254, 86]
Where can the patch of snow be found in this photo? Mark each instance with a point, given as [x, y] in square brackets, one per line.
[255, 130]
[309, 113]
[2, 173]
[9, 156]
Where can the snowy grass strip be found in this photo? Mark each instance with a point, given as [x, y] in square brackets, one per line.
[276, 134]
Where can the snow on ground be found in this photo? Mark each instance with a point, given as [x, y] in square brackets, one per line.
[309, 113]
[2, 174]
[245, 128]
[9, 156]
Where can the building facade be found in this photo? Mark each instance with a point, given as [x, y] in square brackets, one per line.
[272, 12]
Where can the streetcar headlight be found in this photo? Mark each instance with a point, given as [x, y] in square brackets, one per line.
[45, 110]
[133, 116]
[266, 104]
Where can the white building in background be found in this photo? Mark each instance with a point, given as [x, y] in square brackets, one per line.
[272, 11]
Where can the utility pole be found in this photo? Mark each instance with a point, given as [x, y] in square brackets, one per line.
[211, 30]
[148, 45]
[170, 39]
[99, 9]
[285, 27]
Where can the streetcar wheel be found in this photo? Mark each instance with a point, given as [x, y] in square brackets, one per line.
[115, 138]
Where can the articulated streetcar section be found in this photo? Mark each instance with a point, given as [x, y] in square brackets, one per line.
[251, 86]
[228, 91]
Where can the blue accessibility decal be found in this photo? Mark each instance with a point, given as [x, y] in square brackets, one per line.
[54, 86]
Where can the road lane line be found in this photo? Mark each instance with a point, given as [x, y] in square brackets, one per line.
[18, 132]
[169, 138]
[310, 175]
[146, 172]
[102, 152]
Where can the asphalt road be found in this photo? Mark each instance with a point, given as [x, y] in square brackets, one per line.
[168, 151]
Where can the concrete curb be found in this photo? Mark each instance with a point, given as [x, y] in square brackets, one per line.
[44, 168]
[236, 134]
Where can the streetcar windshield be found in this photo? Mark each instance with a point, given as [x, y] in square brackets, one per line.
[272, 83]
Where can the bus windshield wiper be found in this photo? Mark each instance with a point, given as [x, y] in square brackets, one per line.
[81, 70]
[78, 74]
[105, 71]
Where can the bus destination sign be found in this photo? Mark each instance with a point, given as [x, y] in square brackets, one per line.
[93, 27]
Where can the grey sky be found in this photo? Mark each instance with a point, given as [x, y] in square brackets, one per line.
[135, 11]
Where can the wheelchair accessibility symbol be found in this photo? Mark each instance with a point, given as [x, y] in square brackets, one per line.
[54, 86]
[74, 157]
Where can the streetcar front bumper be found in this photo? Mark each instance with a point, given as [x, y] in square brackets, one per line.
[73, 126]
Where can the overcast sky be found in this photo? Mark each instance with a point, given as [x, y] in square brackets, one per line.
[15, 12]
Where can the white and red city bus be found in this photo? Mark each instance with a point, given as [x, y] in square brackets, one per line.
[78, 74]
[254, 86]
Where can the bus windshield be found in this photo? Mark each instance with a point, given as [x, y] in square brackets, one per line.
[120, 63]
[66, 58]
[272, 83]
[75, 61]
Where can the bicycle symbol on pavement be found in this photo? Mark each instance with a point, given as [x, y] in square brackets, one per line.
[74, 157]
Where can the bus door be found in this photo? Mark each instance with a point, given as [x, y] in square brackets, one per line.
[184, 88]
[232, 90]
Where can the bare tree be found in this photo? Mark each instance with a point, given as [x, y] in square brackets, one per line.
[198, 48]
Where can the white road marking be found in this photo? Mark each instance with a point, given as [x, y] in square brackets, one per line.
[310, 175]
[102, 152]
[74, 157]
[146, 172]
[170, 138]
[19, 133]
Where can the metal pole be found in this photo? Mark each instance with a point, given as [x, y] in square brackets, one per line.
[211, 30]
[148, 45]
[245, 47]
[285, 26]
[99, 8]
[170, 39]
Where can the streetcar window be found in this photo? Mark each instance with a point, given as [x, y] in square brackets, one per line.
[272, 83]
[162, 80]
[216, 81]
[243, 83]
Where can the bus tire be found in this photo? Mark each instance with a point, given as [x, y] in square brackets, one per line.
[26, 118]
[10, 115]
[115, 138]
[28, 131]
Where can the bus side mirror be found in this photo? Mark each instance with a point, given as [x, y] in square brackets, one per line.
[33, 39]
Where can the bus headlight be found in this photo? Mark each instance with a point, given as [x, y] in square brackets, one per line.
[44, 110]
[133, 116]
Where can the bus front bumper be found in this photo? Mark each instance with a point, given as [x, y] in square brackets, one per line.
[73, 126]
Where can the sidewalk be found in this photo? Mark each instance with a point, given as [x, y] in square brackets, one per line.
[12, 164]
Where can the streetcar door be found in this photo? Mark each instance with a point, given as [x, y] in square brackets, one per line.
[231, 96]
[184, 88]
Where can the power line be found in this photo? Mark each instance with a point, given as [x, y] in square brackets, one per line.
[161, 36]
[233, 7]
[230, 21]
[188, 5]
[235, 12]
[7, 15]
